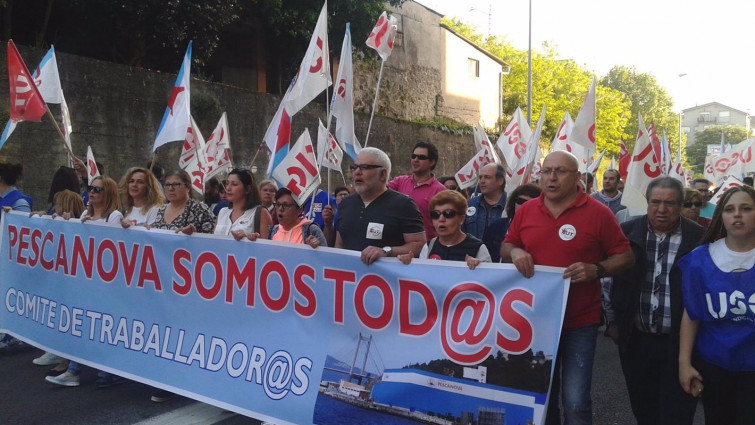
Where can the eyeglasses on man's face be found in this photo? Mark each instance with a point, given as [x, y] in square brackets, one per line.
[559, 172]
[364, 167]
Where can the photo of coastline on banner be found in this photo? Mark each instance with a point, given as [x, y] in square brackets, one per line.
[282, 332]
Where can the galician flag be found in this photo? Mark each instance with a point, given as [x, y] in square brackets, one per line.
[342, 105]
[382, 36]
[278, 135]
[177, 117]
[314, 72]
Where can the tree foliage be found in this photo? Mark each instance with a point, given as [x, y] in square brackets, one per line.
[646, 97]
[712, 136]
[154, 33]
[561, 85]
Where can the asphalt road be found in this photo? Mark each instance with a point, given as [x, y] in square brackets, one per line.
[25, 398]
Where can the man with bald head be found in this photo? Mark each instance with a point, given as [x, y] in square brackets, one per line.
[565, 227]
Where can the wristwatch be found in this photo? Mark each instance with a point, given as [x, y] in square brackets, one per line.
[387, 251]
[600, 270]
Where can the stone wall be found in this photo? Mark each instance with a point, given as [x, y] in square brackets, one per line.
[116, 109]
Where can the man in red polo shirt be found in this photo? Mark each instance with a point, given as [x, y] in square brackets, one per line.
[564, 227]
[421, 185]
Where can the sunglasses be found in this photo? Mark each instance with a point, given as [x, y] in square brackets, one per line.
[95, 189]
[692, 204]
[420, 157]
[520, 201]
[435, 214]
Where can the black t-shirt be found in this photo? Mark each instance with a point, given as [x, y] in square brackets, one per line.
[382, 223]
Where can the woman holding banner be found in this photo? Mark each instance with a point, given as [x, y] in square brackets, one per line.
[181, 213]
[717, 338]
[104, 207]
[245, 214]
[448, 212]
[142, 197]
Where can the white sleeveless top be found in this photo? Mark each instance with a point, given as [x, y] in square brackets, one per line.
[245, 222]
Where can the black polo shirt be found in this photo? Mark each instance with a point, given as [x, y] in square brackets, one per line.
[383, 222]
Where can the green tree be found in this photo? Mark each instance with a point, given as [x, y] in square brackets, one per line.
[711, 136]
[646, 97]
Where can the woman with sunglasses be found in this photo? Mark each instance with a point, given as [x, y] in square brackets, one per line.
[104, 207]
[693, 203]
[717, 336]
[142, 196]
[104, 202]
[447, 211]
[245, 213]
[181, 213]
[292, 226]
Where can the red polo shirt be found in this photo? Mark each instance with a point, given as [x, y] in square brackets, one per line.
[585, 232]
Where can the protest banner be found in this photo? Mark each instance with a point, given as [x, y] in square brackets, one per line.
[283, 332]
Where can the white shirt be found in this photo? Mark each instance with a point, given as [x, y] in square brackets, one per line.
[225, 226]
[114, 217]
[727, 260]
[138, 218]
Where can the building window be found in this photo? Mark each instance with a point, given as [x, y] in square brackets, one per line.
[723, 116]
[473, 67]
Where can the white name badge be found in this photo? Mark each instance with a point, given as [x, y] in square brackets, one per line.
[374, 231]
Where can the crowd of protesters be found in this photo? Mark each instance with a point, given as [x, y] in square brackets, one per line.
[674, 287]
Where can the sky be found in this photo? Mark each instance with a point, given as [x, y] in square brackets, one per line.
[699, 51]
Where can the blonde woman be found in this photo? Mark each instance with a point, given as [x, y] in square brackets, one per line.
[142, 197]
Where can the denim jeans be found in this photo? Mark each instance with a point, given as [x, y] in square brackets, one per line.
[73, 368]
[572, 377]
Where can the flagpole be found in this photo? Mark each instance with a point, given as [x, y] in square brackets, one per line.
[374, 103]
[259, 148]
[152, 163]
[62, 136]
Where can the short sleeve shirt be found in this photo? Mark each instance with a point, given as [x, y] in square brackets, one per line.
[196, 213]
[585, 232]
[383, 222]
[421, 194]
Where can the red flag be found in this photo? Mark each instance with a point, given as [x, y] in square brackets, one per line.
[26, 104]
[624, 160]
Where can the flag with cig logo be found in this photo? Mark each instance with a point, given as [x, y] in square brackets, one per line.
[329, 154]
[383, 35]
[481, 141]
[513, 140]
[342, 105]
[643, 168]
[561, 142]
[523, 171]
[583, 132]
[177, 117]
[92, 170]
[216, 149]
[192, 158]
[468, 175]
[298, 171]
[314, 72]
